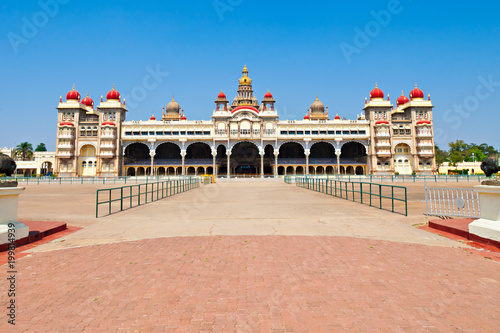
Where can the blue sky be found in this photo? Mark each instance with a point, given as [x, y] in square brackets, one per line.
[294, 49]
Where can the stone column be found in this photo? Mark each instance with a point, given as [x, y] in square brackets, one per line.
[276, 153]
[183, 155]
[228, 153]
[307, 152]
[261, 152]
[214, 155]
[338, 152]
[152, 154]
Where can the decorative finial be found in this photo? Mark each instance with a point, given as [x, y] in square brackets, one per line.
[366, 100]
[124, 101]
[101, 98]
[60, 99]
[87, 94]
[388, 97]
[73, 86]
[113, 86]
[429, 97]
[415, 84]
[376, 85]
[173, 99]
[317, 97]
[402, 93]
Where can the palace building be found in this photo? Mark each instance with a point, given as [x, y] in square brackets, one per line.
[245, 137]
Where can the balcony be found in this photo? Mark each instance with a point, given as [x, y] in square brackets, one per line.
[383, 153]
[107, 153]
[64, 154]
[65, 146]
[383, 135]
[424, 134]
[105, 145]
[424, 144]
[383, 144]
[425, 153]
[66, 136]
[108, 136]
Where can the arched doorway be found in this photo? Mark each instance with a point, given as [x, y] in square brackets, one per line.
[46, 168]
[269, 160]
[402, 159]
[88, 161]
[137, 153]
[290, 170]
[299, 170]
[167, 153]
[140, 171]
[360, 170]
[354, 154]
[245, 159]
[130, 172]
[281, 170]
[221, 160]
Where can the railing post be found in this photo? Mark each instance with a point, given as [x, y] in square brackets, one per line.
[380, 195]
[121, 199]
[97, 204]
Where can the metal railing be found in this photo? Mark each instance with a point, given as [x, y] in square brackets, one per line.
[91, 180]
[126, 197]
[461, 202]
[387, 197]
[397, 179]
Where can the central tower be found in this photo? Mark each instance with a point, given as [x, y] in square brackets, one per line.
[245, 91]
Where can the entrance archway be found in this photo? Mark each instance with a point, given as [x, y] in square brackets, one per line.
[88, 161]
[402, 159]
[245, 159]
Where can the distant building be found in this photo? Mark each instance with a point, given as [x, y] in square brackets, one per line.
[41, 163]
[473, 168]
[245, 137]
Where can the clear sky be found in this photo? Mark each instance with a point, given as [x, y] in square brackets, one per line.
[296, 49]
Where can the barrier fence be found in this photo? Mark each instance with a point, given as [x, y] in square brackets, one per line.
[91, 180]
[463, 202]
[387, 197]
[125, 197]
[394, 179]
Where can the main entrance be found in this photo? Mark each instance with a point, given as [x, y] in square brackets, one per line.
[245, 159]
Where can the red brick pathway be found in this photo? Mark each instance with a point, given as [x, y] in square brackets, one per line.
[257, 284]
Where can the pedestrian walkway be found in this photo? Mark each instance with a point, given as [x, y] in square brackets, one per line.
[251, 257]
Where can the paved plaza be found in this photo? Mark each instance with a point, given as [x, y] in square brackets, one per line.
[248, 256]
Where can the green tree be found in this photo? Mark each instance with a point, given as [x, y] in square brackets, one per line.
[24, 151]
[41, 147]
[441, 155]
[478, 155]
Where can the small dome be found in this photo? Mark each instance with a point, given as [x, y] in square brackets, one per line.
[317, 106]
[268, 94]
[183, 117]
[245, 80]
[337, 117]
[221, 95]
[113, 94]
[88, 101]
[173, 107]
[376, 93]
[402, 99]
[306, 117]
[73, 95]
[152, 117]
[416, 93]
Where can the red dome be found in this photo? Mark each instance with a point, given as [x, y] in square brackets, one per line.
[421, 122]
[183, 117]
[88, 101]
[221, 95]
[113, 94]
[306, 117]
[416, 93]
[152, 117]
[376, 93]
[402, 99]
[268, 95]
[73, 95]
[380, 122]
[337, 117]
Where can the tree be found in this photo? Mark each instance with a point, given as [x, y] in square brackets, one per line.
[24, 150]
[41, 147]
[441, 155]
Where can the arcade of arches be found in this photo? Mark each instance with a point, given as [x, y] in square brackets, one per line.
[245, 159]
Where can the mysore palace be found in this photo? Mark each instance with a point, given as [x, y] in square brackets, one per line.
[245, 137]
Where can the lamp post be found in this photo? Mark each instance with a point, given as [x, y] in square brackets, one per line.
[473, 158]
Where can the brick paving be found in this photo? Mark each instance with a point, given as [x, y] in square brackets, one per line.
[257, 284]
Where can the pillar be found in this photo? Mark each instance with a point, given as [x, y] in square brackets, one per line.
[276, 153]
[337, 153]
[228, 153]
[307, 152]
[152, 153]
[214, 154]
[261, 151]
[183, 155]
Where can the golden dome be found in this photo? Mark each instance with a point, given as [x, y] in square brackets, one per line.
[245, 80]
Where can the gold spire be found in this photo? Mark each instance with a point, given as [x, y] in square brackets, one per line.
[73, 86]
[402, 93]
[245, 80]
[113, 86]
[173, 99]
[317, 97]
[376, 85]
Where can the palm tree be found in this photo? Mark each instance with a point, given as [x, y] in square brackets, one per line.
[24, 150]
